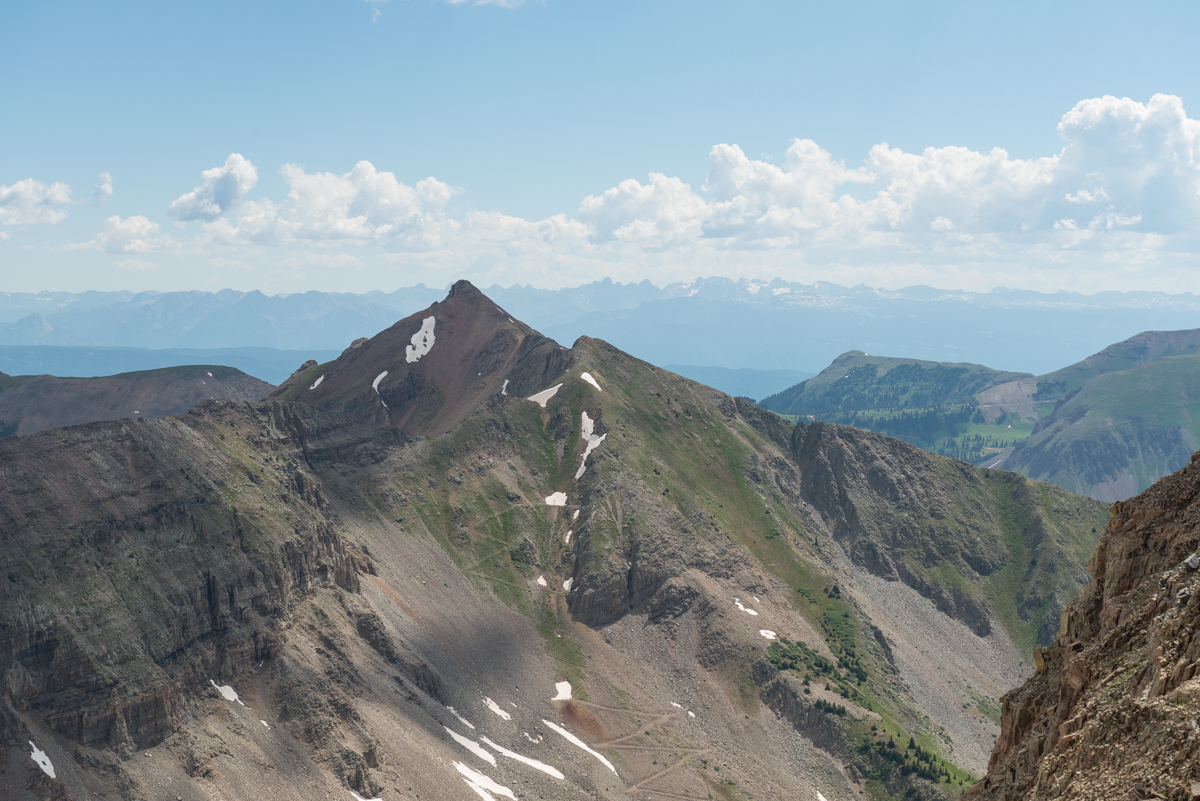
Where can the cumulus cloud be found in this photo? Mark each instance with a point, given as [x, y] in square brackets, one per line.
[1123, 189]
[362, 205]
[103, 189]
[31, 202]
[130, 235]
[222, 189]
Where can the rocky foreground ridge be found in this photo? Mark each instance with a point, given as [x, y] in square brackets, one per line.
[1113, 709]
[463, 561]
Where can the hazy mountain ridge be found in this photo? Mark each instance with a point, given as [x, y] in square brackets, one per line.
[350, 571]
[759, 324]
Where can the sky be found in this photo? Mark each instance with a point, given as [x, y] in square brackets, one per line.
[350, 145]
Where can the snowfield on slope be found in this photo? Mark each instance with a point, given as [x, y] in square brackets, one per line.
[422, 341]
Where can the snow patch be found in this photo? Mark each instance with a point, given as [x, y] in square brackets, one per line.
[483, 785]
[573, 740]
[422, 341]
[545, 395]
[263, 722]
[567, 584]
[504, 389]
[589, 436]
[375, 383]
[588, 378]
[209, 374]
[677, 706]
[358, 797]
[564, 691]
[530, 739]
[492, 705]
[533, 763]
[321, 378]
[770, 635]
[691, 714]
[747, 610]
[556, 499]
[567, 539]
[541, 580]
[576, 515]
[472, 746]
[227, 691]
[819, 796]
[43, 761]
[461, 719]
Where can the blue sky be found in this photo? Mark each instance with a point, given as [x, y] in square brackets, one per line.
[543, 125]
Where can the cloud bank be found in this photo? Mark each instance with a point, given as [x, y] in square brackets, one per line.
[1123, 191]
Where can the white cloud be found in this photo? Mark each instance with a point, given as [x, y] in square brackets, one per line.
[131, 235]
[222, 189]
[31, 202]
[136, 265]
[1123, 190]
[362, 205]
[104, 189]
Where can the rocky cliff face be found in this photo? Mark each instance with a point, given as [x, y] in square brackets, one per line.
[1112, 710]
[377, 582]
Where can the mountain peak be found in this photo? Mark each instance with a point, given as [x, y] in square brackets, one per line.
[427, 372]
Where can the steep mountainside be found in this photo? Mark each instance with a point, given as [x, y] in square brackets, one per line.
[1119, 432]
[857, 381]
[1112, 710]
[930, 404]
[461, 559]
[30, 403]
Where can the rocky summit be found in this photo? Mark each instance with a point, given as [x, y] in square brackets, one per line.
[463, 561]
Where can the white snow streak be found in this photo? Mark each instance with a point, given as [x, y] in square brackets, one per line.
[375, 383]
[588, 378]
[321, 378]
[263, 722]
[227, 691]
[567, 539]
[358, 797]
[533, 763]
[556, 499]
[564, 691]
[43, 761]
[770, 635]
[483, 785]
[819, 796]
[545, 395]
[461, 719]
[422, 341]
[567, 584]
[691, 714]
[504, 389]
[209, 374]
[571, 738]
[587, 432]
[472, 746]
[541, 580]
[576, 515]
[747, 610]
[679, 706]
[492, 705]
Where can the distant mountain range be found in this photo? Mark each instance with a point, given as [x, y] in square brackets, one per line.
[711, 322]
[1108, 426]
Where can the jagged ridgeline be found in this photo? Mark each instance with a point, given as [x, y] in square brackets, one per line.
[461, 560]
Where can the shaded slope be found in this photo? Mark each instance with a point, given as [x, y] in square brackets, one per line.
[1115, 699]
[352, 578]
[32, 403]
